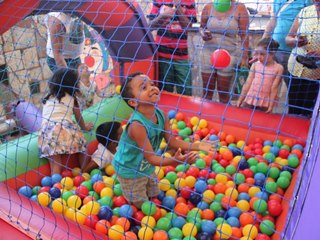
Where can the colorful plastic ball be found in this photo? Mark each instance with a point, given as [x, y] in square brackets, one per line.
[119, 201]
[224, 231]
[200, 186]
[202, 205]
[66, 173]
[56, 178]
[220, 58]
[160, 235]
[96, 177]
[277, 143]
[168, 202]
[208, 226]
[74, 201]
[87, 184]
[243, 205]
[25, 191]
[175, 233]
[298, 146]
[267, 227]
[46, 181]
[118, 89]
[260, 206]
[171, 176]
[178, 222]
[271, 187]
[44, 198]
[59, 205]
[250, 230]
[78, 180]
[67, 183]
[195, 198]
[102, 226]
[126, 211]
[115, 232]
[145, 233]
[283, 182]
[172, 114]
[189, 229]
[274, 208]
[130, 235]
[164, 184]
[106, 201]
[233, 221]
[293, 161]
[148, 208]
[163, 224]
[93, 207]
[54, 192]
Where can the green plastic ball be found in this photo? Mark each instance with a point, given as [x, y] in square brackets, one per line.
[222, 5]
[267, 227]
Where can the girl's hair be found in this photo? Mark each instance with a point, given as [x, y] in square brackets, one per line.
[126, 90]
[269, 44]
[106, 133]
[63, 80]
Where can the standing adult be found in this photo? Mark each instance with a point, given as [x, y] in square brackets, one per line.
[304, 38]
[227, 30]
[282, 17]
[65, 40]
[172, 20]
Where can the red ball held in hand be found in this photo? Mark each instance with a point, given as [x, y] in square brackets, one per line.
[220, 58]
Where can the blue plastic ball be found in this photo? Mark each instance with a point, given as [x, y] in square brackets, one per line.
[208, 226]
[259, 176]
[260, 182]
[105, 212]
[56, 178]
[172, 114]
[262, 195]
[244, 196]
[46, 181]
[96, 177]
[169, 202]
[234, 212]
[200, 186]
[275, 150]
[34, 198]
[213, 137]
[126, 211]
[298, 146]
[161, 195]
[202, 205]
[267, 143]
[54, 192]
[243, 164]
[195, 198]
[220, 214]
[178, 222]
[203, 236]
[233, 222]
[25, 191]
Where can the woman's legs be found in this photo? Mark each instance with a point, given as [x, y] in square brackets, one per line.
[209, 84]
[55, 164]
[223, 86]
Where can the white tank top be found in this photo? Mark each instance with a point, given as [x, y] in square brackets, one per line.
[56, 111]
[70, 50]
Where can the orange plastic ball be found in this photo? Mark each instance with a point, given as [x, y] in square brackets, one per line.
[246, 218]
[230, 139]
[207, 214]
[102, 226]
[160, 235]
[129, 236]
[181, 209]
[124, 222]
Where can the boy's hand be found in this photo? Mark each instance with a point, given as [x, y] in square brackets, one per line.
[190, 157]
[208, 146]
[88, 126]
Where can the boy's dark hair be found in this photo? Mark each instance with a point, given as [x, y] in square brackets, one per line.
[269, 44]
[126, 90]
[63, 80]
[106, 133]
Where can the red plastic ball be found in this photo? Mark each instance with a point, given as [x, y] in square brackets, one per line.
[91, 221]
[204, 173]
[169, 169]
[283, 153]
[44, 189]
[262, 237]
[274, 208]
[78, 180]
[119, 201]
[82, 191]
[185, 192]
[67, 173]
[220, 58]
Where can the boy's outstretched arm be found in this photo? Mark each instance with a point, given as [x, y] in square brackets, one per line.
[138, 133]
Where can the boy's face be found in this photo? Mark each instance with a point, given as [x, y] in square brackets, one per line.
[144, 91]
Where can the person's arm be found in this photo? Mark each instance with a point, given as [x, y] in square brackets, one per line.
[79, 118]
[243, 32]
[271, 24]
[163, 18]
[293, 39]
[57, 30]
[206, 35]
[275, 88]
[137, 132]
[247, 85]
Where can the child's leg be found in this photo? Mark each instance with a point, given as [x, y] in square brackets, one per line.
[83, 159]
[152, 186]
[55, 164]
[90, 166]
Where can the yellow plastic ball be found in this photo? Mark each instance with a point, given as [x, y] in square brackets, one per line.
[236, 159]
[246, 238]
[159, 171]
[253, 190]
[164, 184]
[86, 176]
[163, 212]
[115, 232]
[145, 233]
[109, 181]
[203, 123]
[163, 145]
[93, 207]
[71, 214]
[243, 205]
[173, 121]
[230, 183]
[76, 171]
[109, 170]
[250, 230]
[241, 144]
[148, 221]
[167, 154]
[190, 181]
[232, 192]
[74, 201]
[174, 126]
[107, 191]
[44, 199]
[171, 193]
[180, 183]
[67, 183]
[224, 231]
[221, 178]
[80, 216]
[194, 121]
[118, 89]
[278, 160]
[266, 149]
[59, 205]
[223, 149]
[208, 196]
[189, 229]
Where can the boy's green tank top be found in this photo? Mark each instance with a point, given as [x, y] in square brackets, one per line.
[129, 161]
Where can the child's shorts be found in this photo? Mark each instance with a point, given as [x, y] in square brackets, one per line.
[139, 190]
